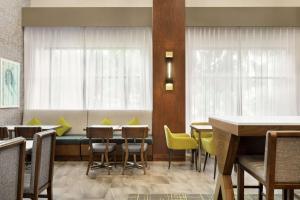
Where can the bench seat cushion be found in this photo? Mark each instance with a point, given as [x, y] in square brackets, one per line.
[69, 139]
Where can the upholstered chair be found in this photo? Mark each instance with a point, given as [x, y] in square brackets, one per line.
[179, 141]
[279, 168]
[40, 176]
[104, 148]
[12, 158]
[204, 134]
[135, 133]
[208, 145]
[3, 133]
[27, 131]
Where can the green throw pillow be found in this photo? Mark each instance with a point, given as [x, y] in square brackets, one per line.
[64, 127]
[34, 122]
[106, 121]
[134, 121]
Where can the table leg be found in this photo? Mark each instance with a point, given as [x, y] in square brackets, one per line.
[227, 146]
[199, 151]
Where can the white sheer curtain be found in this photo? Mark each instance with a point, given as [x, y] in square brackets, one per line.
[88, 68]
[241, 71]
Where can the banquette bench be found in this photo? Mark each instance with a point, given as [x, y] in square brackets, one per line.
[74, 144]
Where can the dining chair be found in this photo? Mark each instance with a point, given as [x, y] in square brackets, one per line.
[105, 133]
[179, 141]
[278, 168]
[135, 132]
[3, 132]
[27, 131]
[40, 176]
[12, 159]
[208, 145]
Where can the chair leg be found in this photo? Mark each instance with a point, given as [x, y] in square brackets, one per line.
[170, 157]
[146, 158]
[143, 162]
[196, 159]
[205, 160]
[125, 162]
[192, 160]
[215, 167]
[89, 164]
[115, 158]
[240, 183]
[269, 193]
[260, 192]
[288, 194]
[107, 161]
[49, 192]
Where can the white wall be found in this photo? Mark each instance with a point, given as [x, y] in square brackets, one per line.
[148, 3]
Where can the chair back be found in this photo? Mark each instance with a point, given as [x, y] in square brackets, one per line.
[27, 131]
[12, 162]
[100, 132]
[42, 160]
[3, 132]
[168, 135]
[282, 156]
[135, 132]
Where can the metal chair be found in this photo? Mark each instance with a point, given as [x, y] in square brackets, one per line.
[105, 133]
[135, 148]
[279, 168]
[12, 159]
[27, 131]
[40, 177]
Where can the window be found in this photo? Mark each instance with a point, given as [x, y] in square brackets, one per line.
[241, 71]
[88, 68]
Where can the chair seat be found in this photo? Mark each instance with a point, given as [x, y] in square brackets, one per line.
[101, 147]
[134, 147]
[254, 164]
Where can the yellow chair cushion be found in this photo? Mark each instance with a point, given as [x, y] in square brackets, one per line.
[64, 127]
[208, 145]
[34, 122]
[106, 121]
[134, 121]
[179, 141]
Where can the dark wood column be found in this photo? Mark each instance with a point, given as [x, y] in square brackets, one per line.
[168, 106]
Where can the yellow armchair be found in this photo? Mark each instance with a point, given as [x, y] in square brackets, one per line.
[178, 141]
[208, 145]
[204, 134]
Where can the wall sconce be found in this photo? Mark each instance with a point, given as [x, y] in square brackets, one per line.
[169, 80]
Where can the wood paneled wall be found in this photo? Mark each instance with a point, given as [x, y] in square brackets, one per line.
[168, 106]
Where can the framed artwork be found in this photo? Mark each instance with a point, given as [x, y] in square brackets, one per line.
[9, 83]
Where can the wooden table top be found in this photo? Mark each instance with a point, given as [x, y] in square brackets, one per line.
[115, 127]
[43, 127]
[202, 127]
[254, 126]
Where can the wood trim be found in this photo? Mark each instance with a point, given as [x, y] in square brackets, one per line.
[168, 106]
[243, 16]
[86, 16]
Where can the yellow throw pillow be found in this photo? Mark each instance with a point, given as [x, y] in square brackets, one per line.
[106, 121]
[34, 122]
[64, 127]
[134, 121]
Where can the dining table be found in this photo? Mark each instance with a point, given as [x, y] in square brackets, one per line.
[11, 128]
[200, 129]
[242, 135]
